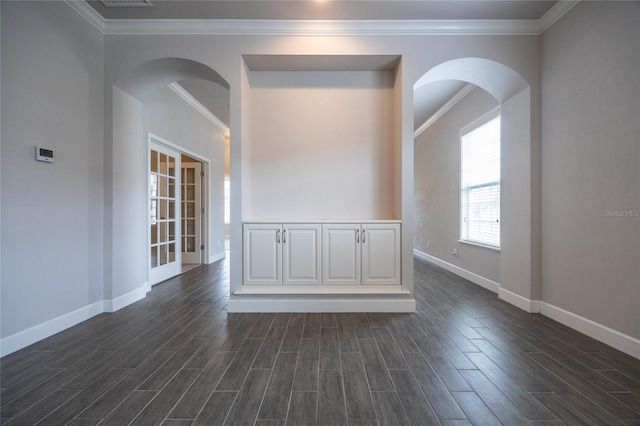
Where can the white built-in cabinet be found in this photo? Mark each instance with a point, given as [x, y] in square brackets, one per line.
[367, 254]
[276, 254]
[381, 254]
[341, 254]
[301, 250]
[330, 254]
[262, 254]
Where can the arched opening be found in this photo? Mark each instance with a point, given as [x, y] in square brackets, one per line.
[144, 80]
[183, 106]
[458, 92]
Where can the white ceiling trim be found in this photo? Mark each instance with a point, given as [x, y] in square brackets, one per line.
[186, 96]
[322, 28]
[88, 13]
[460, 95]
[556, 12]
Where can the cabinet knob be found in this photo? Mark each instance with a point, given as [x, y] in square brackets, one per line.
[357, 235]
[278, 236]
[364, 233]
[284, 236]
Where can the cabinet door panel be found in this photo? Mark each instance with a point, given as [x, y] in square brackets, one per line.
[262, 255]
[341, 254]
[301, 247]
[381, 254]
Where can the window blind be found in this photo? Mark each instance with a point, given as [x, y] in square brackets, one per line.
[480, 182]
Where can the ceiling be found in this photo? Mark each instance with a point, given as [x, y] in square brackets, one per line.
[331, 9]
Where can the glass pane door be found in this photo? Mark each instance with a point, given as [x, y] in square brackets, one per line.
[191, 212]
[164, 221]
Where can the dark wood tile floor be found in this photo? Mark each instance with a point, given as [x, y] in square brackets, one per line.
[177, 358]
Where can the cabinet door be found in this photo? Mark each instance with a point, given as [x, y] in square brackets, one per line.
[381, 254]
[301, 250]
[341, 254]
[262, 254]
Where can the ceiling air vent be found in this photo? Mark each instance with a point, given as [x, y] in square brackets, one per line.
[126, 3]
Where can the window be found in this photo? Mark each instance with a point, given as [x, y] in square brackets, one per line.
[480, 181]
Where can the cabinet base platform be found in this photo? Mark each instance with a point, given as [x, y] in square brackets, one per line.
[321, 303]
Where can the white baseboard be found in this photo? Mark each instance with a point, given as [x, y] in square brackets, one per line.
[527, 305]
[113, 305]
[216, 257]
[604, 334]
[327, 305]
[474, 278]
[34, 334]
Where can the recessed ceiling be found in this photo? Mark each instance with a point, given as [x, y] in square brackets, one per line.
[331, 9]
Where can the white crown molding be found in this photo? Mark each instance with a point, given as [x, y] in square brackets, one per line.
[265, 27]
[186, 96]
[88, 13]
[460, 95]
[555, 13]
[323, 28]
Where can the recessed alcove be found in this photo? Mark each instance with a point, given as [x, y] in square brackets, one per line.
[321, 137]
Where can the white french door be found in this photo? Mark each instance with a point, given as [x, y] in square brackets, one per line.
[164, 220]
[191, 213]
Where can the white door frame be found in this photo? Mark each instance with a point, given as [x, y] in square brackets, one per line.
[206, 198]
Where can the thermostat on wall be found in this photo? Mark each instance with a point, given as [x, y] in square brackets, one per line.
[44, 154]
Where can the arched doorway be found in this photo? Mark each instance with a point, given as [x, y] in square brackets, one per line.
[520, 234]
[127, 234]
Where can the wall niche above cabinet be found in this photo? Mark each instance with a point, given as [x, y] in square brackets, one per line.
[321, 137]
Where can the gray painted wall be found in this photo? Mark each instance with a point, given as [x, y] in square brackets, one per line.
[591, 163]
[437, 189]
[129, 193]
[52, 95]
[171, 118]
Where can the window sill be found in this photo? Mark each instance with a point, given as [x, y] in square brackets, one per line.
[473, 243]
